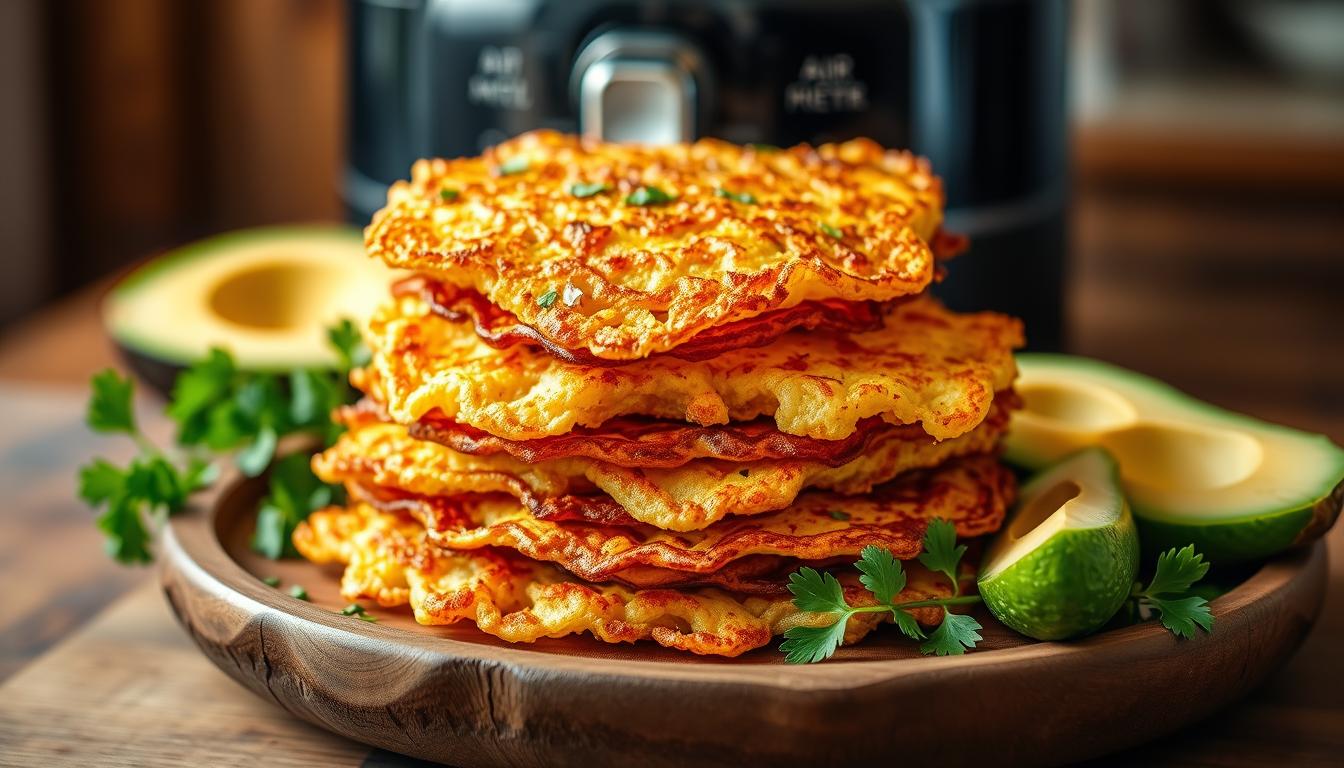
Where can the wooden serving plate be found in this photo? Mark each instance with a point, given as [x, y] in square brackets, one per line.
[456, 695]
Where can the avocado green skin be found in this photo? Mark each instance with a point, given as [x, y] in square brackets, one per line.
[1226, 541]
[1070, 586]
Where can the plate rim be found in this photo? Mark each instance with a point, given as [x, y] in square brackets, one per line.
[190, 542]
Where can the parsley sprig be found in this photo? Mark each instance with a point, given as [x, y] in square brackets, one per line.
[218, 409]
[884, 577]
[1167, 595]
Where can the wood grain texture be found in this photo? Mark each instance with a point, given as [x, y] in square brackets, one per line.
[130, 689]
[455, 697]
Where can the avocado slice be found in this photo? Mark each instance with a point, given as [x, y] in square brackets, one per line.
[1237, 488]
[266, 295]
[1065, 561]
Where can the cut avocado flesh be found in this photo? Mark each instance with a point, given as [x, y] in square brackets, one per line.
[1237, 488]
[266, 295]
[1065, 561]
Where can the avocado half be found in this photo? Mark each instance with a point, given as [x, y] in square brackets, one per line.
[266, 295]
[1237, 488]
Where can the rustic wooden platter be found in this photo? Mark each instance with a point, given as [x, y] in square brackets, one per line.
[455, 695]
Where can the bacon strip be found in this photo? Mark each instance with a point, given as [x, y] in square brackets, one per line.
[971, 492]
[645, 442]
[501, 329]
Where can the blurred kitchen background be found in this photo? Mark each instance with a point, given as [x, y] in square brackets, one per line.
[1193, 211]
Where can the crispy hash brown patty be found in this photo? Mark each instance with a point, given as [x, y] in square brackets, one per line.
[683, 498]
[623, 251]
[927, 365]
[501, 330]
[643, 442]
[972, 493]
[389, 559]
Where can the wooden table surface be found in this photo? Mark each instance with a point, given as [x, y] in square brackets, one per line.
[1236, 300]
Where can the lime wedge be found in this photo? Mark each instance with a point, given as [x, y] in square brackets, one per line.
[1066, 560]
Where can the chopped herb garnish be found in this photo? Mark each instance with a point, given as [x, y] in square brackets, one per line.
[514, 165]
[271, 581]
[571, 295]
[884, 577]
[764, 147]
[831, 231]
[547, 299]
[1169, 594]
[745, 198]
[298, 592]
[648, 196]
[838, 515]
[588, 189]
[352, 609]
[219, 409]
[367, 617]
[448, 195]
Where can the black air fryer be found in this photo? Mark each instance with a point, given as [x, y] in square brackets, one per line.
[975, 85]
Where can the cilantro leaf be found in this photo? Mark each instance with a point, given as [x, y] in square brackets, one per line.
[448, 195]
[293, 492]
[547, 299]
[882, 573]
[745, 198]
[588, 189]
[127, 538]
[646, 196]
[1176, 574]
[805, 645]
[514, 165]
[200, 474]
[110, 405]
[299, 593]
[1181, 615]
[254, 459]
[156, 482]
[312, 397]
[1177, 571]
[952, 637]
[941, 552]
[100, 481]
[348, 342]
[196, 391]
[907, 624]
[831, 232]
[817, 592]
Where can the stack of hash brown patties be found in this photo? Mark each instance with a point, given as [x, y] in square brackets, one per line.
[628, 390]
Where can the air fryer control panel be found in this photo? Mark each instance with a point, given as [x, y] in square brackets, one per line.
[975, 85]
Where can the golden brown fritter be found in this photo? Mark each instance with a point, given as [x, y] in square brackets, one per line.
[972, 493]
[669, 241]
[927, 365]
[500, 329]
[684, 498]
[389, 559]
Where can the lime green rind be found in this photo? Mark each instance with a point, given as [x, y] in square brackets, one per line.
[179, 257]
[1070, 586]
[1072, 583]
